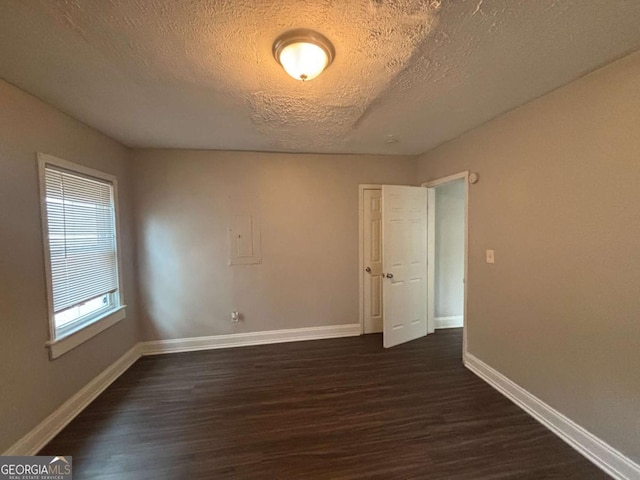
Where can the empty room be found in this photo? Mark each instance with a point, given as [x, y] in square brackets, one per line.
[322, 239]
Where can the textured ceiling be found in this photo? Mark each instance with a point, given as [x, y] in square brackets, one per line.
[199, 74]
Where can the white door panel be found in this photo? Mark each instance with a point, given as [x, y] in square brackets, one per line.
[372, 238]
[404, 254]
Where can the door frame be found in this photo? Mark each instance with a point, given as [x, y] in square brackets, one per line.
[361, 189]
[464, 175]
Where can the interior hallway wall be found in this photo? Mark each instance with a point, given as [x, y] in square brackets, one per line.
[449, 258]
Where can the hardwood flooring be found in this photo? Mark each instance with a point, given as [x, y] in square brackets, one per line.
[328, 409]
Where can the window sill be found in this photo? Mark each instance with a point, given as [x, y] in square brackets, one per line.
[62, 345]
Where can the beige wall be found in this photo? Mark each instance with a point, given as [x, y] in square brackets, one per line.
[32, 386]
[559, 201]
[309, 273]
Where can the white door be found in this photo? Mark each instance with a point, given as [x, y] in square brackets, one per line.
[404, 253]
[372, 256]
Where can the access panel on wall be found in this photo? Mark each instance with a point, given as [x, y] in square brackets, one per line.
[245, 237]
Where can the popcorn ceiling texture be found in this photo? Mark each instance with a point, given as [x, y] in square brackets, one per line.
[200, 74]
[226, 46]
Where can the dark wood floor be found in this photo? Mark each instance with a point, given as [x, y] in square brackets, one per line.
[329, 409]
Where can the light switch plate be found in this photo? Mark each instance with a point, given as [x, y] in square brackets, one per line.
[491, 256]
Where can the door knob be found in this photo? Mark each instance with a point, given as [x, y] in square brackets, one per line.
[368, 269]
[389, 275]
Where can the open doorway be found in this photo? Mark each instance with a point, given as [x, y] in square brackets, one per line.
[448, 251]
[449, 255]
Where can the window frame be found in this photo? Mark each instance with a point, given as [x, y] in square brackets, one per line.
[95, 323]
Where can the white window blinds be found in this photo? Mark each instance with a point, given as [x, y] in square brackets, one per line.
[82, 237]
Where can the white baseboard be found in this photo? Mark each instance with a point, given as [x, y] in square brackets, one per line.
[449, 322]
[37, 438]
[597, 451]
[245, 339]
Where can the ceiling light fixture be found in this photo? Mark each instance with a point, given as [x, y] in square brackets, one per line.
[304, 54]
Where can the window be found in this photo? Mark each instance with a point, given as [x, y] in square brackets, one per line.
[79, 220]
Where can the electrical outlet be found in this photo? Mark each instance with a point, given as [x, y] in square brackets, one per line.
[235, 317]
[491, 256]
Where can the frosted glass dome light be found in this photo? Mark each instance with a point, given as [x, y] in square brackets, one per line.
[304, 54]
